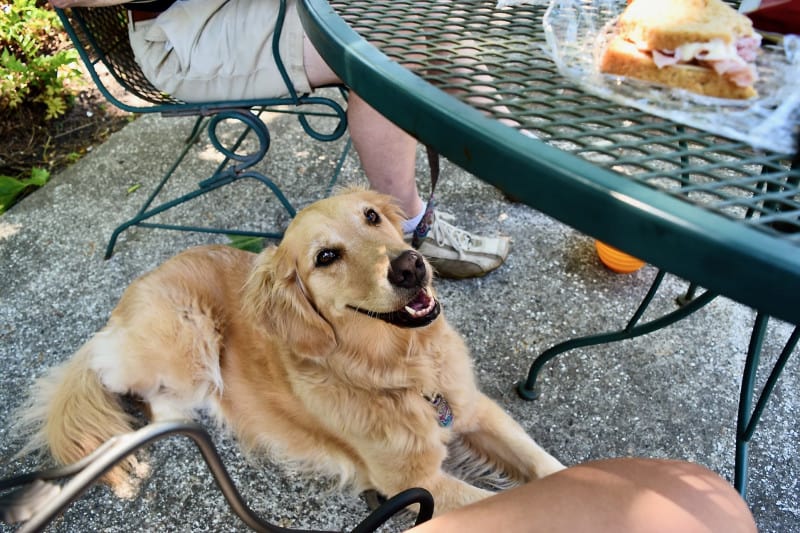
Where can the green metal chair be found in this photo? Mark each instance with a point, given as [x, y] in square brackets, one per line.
[100, 34]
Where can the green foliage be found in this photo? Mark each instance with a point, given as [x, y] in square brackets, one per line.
[34, 64]
[248, 244]
[11, 188]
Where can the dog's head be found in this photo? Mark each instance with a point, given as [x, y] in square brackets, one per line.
[342, 261]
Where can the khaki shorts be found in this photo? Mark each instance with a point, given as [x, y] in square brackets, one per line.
[219, 50]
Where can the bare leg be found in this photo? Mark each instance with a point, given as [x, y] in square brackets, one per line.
[387, 153]
[388, 157]
[641, 495]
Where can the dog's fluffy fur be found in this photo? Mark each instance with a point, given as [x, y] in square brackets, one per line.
[306, 352]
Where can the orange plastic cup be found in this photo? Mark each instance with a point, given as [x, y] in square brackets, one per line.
[617, 260]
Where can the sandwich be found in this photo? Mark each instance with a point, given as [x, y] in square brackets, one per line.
[702, 46]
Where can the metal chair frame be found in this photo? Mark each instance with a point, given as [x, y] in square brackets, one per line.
[100, 35]
[42, 494]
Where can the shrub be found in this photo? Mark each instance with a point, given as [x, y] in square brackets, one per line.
[35, 66]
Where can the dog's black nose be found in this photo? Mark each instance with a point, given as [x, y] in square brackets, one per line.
[407, 270]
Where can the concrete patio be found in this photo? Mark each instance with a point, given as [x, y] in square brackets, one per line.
[673, 393]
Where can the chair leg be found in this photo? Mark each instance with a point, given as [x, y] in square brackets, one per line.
[748, 419]
[526, 389]
[142, 214]
[234, 167]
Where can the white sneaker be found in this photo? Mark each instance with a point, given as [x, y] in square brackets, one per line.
[456, 253]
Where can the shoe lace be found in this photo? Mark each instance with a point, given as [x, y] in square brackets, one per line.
[445, 233]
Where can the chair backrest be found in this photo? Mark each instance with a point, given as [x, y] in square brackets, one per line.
[100, 34]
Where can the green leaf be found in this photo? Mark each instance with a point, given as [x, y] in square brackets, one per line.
[10, 187]
[39, 176]
[248, 244]
[13, 64]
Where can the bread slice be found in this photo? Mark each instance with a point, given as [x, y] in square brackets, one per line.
[624, 58]
[665, 25]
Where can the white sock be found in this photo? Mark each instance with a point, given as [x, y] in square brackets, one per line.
[410, 224]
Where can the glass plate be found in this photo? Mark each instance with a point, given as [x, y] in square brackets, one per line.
[577, 31]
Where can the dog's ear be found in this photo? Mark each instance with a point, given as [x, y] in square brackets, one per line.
[274, 295]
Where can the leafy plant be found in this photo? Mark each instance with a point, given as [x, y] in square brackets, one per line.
[34, 64]
[11, 188]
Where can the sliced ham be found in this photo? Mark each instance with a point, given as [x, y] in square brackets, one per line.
[733, 60]
[748, 46]
[664, 58]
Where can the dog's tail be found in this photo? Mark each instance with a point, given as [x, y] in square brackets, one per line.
[69, 413]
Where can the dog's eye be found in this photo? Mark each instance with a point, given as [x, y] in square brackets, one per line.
[326, 257]
[372, 216]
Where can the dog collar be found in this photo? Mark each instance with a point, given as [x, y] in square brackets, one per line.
[444, 415]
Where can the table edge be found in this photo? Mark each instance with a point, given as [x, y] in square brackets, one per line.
[725, 258]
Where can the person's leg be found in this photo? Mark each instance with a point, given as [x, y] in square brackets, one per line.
[388, 157]
[615, 495]
[387, 153]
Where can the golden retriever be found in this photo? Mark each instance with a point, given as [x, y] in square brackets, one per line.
[328, 351]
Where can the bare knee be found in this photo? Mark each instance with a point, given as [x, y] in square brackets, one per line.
[643, 495]
[667, 495]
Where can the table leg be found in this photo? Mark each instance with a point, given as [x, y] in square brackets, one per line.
[690, 304]
[748, 416]
[748, 419]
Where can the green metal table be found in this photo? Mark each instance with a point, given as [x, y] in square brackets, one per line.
[706, 208]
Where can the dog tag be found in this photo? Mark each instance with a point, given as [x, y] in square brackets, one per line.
[444, 414]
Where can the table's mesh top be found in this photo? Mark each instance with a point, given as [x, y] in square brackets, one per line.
[721, 175]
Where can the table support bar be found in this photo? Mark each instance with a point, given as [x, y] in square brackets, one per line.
[526, 389]
[748, 416]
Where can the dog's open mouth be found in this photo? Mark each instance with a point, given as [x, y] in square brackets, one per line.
[420, 311]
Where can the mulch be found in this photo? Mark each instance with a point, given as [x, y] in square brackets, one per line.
[30, 140]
